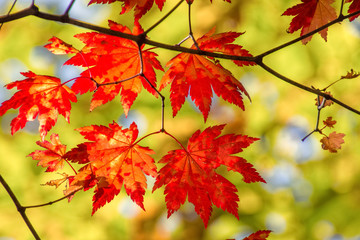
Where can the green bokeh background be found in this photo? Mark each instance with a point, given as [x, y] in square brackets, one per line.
[311, 194]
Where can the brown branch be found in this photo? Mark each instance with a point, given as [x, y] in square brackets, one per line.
[142, 74]
[34, 11]
[320, 105]
[19, 207]
[308, 89]
[337, 20]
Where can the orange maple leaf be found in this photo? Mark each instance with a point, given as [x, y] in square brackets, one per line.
[58, 46]
[112, 59]
[42, 96]
[58, 182]
[199, 76]
[310, 15]
[191, 172]
[52, 158]
[141, 6]
[112, 159]
[329, 122]
[351, 74]
[332, 142]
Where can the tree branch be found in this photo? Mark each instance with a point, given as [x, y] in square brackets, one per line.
[338, 20]
[308, 89]
[34, 11]
[51, 202]
[20, 208]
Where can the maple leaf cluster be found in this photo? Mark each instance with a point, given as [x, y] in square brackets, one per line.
[333, 141]
[116, 66]
[112, 157]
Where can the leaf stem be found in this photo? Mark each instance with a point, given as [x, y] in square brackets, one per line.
[71, 166]
[136, 142]
[20, 208]
[167, 133]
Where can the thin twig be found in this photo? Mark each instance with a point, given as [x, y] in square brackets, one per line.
[11, 8]
[148, 135]
[181, 42]
[341, 8]
[319, 107]
[20, 208]
[66, 13]
[164, 17]
[153, 87]
[117, 82]
[190, 27]
[51, 202]
[337, 20]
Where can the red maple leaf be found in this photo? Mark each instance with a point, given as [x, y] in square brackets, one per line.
[52, 158]
[141, 6]
[191, 172]
[259, 235]
[39, 95]
[310, 15]
[199, 76]
[111, 59]
[354, 7]
[112, 159]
